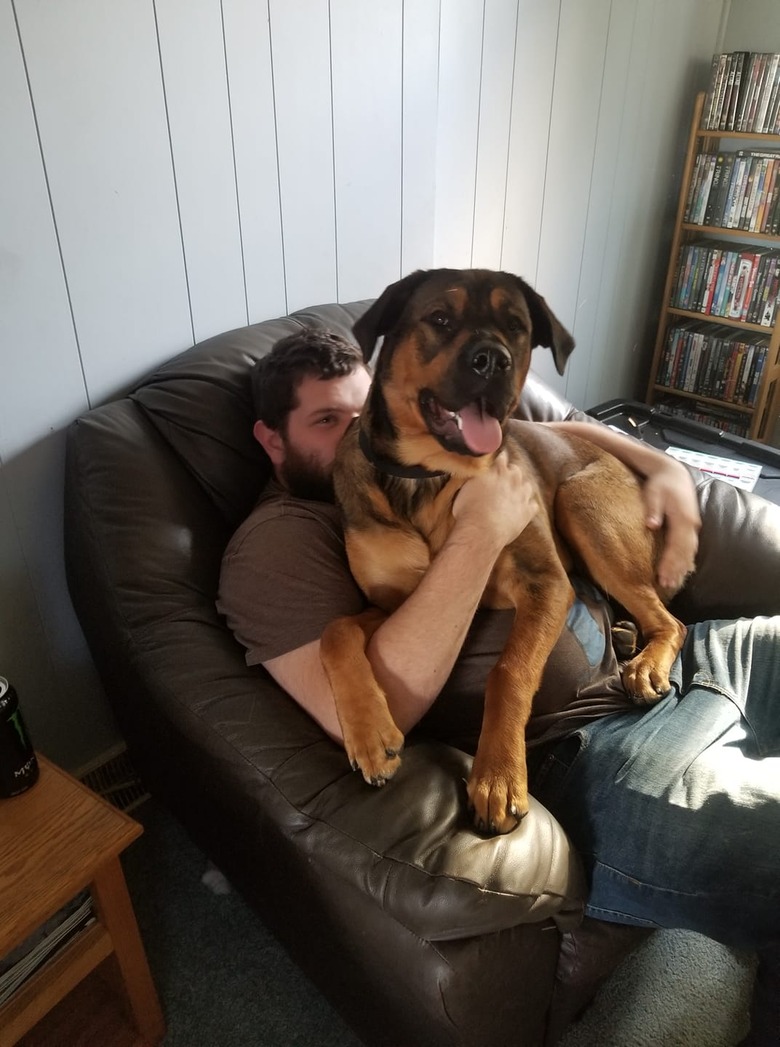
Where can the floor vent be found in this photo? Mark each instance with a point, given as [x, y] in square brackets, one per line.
[114, 778]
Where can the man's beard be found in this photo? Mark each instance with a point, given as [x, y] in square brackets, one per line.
[305, 477]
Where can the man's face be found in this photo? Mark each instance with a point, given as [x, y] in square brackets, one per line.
[304, 451]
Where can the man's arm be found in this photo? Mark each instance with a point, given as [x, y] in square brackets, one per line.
[669, 493]
[414, 650]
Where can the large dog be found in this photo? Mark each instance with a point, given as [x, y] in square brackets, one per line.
[456, 352]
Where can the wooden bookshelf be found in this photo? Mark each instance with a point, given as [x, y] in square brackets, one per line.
[700, 363]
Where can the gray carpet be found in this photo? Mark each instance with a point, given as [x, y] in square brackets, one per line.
[225, 982]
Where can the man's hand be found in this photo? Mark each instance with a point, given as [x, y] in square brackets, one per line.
[670, 498]
[496, 506]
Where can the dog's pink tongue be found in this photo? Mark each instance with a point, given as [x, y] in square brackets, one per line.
[481, 432]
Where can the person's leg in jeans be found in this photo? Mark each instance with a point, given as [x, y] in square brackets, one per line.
[676, 809]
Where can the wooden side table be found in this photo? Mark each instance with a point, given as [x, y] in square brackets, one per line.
[55, 840]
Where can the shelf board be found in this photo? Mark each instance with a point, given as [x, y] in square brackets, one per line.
[719, 230]
[721, 405]
[747, 136]
[712, 319]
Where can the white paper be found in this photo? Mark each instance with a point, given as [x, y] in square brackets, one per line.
[738, 474]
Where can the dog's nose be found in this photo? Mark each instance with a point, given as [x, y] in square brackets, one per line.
[487, 358]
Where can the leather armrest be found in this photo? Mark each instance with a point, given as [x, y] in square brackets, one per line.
[412, 845]
[738, 563]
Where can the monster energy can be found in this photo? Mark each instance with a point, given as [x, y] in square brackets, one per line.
[18, 765]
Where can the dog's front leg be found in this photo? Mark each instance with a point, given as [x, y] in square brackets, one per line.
[498, 785]
[371, 739]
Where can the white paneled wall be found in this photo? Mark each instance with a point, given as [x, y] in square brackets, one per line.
[175, 168]
[419, 114]
[97, 93]
[367, 136]
[253, 124]
[197, 107]
[457, 133]
[580, 68]
[533, 76]
[300, 48]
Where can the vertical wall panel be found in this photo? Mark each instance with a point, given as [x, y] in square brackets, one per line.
[420, 111]
[366, 59]
[578, 74]
[42, 648]
[494, 123]
[25, 658]
[628, 294]
[196, 95]
[300, 51]
[96, 87]
[41, 389]
[680, 39]
[248, 46]
[608, 195]
[42, 385]
[460, 64]
[682, 46]
[534, 70]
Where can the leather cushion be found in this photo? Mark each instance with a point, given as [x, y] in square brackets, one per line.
[201, 403]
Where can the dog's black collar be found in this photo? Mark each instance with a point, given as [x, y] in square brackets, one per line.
[387, 465]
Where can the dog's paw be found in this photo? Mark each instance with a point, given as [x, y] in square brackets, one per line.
[644, 681]
[497, 804]
[625, 640]
[377, 756]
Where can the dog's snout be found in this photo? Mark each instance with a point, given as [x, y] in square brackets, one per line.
[488, 358]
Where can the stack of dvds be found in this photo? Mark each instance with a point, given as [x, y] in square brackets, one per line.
[736, 190]
[744, 93]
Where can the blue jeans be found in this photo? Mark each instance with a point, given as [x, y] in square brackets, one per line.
[676, 808]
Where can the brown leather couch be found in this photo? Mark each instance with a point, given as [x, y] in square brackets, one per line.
[418, 930]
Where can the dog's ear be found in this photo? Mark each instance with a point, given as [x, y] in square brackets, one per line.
[383, 315]
[547, 328]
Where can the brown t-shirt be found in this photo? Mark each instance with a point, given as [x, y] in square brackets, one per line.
[285, 575]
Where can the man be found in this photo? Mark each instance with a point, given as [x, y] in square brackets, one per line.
[672, 808]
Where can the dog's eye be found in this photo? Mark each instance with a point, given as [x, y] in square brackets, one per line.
[439, 319]
[514, 324]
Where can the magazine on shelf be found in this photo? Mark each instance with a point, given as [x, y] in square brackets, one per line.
[23, 961]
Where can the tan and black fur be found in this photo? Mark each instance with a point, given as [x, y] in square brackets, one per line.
[457, 347]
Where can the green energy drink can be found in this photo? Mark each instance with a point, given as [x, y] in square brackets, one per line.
[18, 764]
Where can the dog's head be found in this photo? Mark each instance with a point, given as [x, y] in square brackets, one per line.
[456, 352]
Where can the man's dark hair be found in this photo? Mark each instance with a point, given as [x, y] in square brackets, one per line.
[276, 376]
